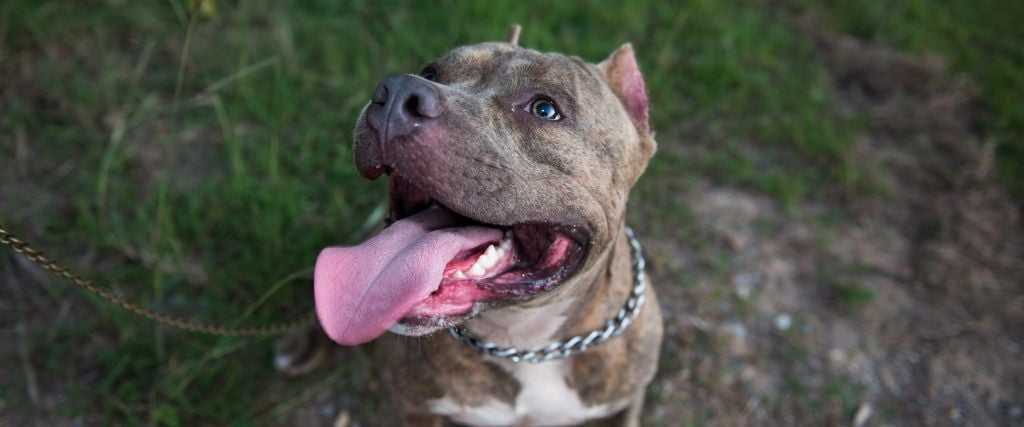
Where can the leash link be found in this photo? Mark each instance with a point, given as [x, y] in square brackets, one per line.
[22, 247]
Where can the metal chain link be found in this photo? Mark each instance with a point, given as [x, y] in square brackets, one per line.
[22, 247]
[579, 343]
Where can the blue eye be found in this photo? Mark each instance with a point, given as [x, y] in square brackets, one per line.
[545, 109]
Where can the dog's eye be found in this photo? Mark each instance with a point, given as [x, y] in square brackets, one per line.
[545, 109]
[429, 73]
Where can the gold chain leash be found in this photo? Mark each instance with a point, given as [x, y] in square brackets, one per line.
[22, 247]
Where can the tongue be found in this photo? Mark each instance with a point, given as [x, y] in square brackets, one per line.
[362, 290]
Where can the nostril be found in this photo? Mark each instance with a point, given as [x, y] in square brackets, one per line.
[412, 106]
[424, 103]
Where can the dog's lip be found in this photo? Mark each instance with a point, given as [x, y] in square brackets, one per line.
[425, 324]
[578, 232]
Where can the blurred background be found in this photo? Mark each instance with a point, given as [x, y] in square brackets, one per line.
[832, 218]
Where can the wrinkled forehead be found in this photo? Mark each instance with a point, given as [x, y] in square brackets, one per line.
[503, 67]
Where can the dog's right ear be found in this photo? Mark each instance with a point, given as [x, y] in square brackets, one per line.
[623, 74]
[513, 35]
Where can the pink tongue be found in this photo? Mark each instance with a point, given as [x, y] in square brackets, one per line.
[361, 291]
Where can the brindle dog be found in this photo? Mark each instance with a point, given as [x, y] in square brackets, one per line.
[509, 175]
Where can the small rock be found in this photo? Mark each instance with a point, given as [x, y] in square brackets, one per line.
[744, 283]
[955, 415]
[837, 357]
[1016, 412]
[738, 344]
[783, 322]
[736, 329]
[343, 420]
[749, 373]
[862, 415]
[699, 323]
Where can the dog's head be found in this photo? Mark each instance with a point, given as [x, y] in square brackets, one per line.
[509, 171]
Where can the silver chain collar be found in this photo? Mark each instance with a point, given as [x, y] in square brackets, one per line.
[579, 343]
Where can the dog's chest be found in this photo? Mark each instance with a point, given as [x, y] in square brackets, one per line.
[544, 398]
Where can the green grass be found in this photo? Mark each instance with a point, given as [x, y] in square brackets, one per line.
[981, 39]
[847, 295]
[207, 154]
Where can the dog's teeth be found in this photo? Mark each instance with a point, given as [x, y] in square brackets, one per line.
[486, 262]
[489, 258]
[476, 270]
[458, 274]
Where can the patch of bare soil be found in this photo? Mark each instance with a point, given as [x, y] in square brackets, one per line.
[901, 308]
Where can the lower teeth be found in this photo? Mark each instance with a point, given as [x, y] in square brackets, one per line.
[493, 255]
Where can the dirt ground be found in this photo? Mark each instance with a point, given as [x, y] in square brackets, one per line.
[904, 306]
[901, 308]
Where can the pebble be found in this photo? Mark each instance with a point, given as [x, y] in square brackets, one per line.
[738, 344]
[783, 322]
[1016, 412]
[744, 283]
[864, 412]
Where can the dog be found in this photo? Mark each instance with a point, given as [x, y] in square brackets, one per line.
[509, 171]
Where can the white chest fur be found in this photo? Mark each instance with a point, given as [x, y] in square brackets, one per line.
[544, 396]
[544, 399]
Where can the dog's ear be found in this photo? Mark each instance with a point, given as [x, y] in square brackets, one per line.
[513, 35]
[623, 74]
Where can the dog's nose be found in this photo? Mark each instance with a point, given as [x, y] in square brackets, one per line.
[399, 107]
[406, 103]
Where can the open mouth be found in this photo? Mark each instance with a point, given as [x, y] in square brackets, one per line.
[434, 266]
[529, 258]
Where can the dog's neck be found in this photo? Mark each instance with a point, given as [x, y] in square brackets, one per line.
[580, 305]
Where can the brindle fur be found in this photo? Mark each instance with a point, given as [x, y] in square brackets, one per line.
[504, 168]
